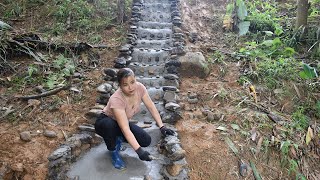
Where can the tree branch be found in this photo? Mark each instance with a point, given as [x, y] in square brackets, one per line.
[47, 93]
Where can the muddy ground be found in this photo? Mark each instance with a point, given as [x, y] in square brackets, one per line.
[208, 156]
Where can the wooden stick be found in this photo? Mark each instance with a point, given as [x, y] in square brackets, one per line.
[47, 93]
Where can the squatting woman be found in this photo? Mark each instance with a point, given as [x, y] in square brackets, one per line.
[114, 126]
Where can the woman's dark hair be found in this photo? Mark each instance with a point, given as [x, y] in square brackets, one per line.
[123, 73]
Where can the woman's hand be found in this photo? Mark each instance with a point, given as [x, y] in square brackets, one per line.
[143, 155]
[165, 131]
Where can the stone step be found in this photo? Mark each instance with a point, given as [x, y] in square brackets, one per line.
[145, 116]
[156, 44]
[146, 70]
[157, 82]
[156, 1]
[157, 6]
[149, 56]
[154, 25]
[154, 34]
[156, 17]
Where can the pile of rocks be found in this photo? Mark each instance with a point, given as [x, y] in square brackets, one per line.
[68, 152]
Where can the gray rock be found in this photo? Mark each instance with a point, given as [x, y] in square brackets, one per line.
[194, 64]
[171, 117]
[50, 134]
[77, 75]
[172, 106]
[170, 96]
[63, 150]
[169, 140]
[93, 113]
[192, 95]
[111, 72]
[175, 152]
[25, 136]
[86, 128]
[176, 167]
[171, 82]
[193, 101]
[73, 142]
[83, 137]
[120, 62]
[169, 88]
[103, 99]
[171, 76]
[104, 88]
[125, 48]
[177, 30]
[98, 106]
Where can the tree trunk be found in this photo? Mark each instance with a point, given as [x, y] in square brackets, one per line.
[302, 13]
[121, 11]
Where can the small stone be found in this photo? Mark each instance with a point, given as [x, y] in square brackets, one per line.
[104, 88]
[94, 113]
[74, 142]
[170, 96]
[74, 89]
[177, 30]
[157, 97]
[125, 48]
[169, 88]
[86, 128]
[50, 134]
[151, 71]
[192, 95]
[121, 61]
[176, 167]
[172, 106]
[193, 101]
[98, 106]
[61, 151]
[111, 72]
[25, 136]
[103, 99]
[147, 122]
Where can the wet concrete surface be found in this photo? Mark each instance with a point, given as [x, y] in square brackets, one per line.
[96, 164]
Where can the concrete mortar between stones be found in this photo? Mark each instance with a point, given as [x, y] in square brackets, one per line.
[151, 51]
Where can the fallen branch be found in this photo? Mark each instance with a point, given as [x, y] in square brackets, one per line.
[47, 93]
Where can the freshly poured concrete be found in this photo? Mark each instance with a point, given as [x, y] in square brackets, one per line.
[96, 164]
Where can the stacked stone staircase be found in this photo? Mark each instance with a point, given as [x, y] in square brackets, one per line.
[154, 43]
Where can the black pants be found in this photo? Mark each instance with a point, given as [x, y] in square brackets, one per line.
[109, 129]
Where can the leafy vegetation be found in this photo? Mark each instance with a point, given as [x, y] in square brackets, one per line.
[61, 16]
[274, 53]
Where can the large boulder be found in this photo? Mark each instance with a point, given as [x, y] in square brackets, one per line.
[194, 64]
